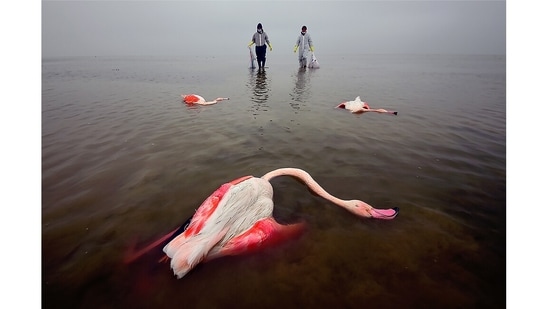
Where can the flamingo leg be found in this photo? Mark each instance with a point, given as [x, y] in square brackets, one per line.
[134, 255]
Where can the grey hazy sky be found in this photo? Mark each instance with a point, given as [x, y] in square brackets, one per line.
[126, 28]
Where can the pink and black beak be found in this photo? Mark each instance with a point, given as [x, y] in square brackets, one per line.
[385, 214]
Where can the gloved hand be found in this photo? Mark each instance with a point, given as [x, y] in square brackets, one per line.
[295, 48]
[270, 47]
[251, 43]
[312, 48]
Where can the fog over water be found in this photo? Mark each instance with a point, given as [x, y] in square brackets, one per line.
[115, 28]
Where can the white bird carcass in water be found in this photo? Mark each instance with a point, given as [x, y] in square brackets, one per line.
[357, 106]
[196, 99]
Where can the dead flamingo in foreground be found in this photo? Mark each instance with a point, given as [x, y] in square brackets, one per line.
[357, 106]
[238, 218]
[196, 99]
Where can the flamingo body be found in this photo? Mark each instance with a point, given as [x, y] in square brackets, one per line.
[225, 224]
[357, 106]
[196, 99]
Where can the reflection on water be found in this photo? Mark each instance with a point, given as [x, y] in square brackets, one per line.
[302, 88]
[259, 84]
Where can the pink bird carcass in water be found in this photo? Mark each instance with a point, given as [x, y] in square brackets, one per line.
[196, 99]
[357, 106]
[238, 218]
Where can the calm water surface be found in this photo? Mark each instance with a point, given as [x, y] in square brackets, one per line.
[124, 162]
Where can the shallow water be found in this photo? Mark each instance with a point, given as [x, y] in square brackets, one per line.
[124, 162]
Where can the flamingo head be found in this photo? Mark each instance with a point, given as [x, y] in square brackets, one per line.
[221, 99]
[363, 209]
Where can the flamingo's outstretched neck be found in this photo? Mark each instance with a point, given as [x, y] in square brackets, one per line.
[357, 207]
[306, 178]
[214, 101]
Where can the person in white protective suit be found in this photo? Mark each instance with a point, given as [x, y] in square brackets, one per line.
[261, 40]
[305, 44]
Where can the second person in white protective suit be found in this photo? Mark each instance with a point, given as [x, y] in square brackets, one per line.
[305, 44]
